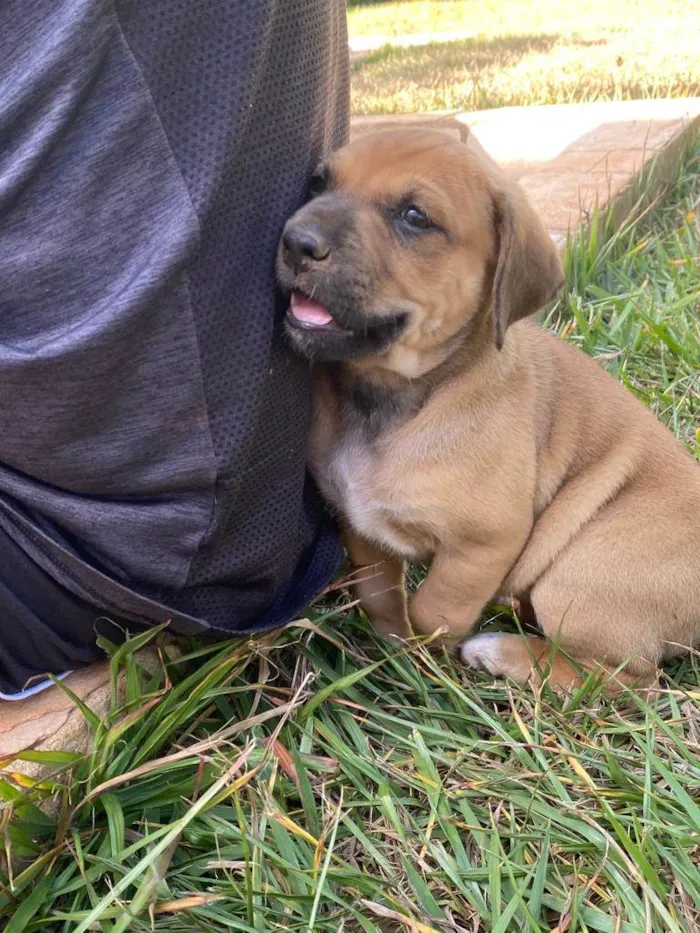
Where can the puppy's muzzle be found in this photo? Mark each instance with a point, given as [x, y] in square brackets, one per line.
[329, 273]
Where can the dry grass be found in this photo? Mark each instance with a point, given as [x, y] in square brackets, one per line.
[526, 52]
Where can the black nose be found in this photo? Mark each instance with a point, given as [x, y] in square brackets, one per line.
[303, 246]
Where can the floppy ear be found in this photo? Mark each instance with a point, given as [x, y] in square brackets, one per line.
[528, 271]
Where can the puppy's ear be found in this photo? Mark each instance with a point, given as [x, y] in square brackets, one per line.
[528, 270]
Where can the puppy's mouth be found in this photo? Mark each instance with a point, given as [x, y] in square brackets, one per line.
[320, 333]
[309, 315]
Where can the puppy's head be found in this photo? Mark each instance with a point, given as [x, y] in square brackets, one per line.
[410, 242]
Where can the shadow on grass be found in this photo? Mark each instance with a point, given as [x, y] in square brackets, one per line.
[482, 73]
[477, 51]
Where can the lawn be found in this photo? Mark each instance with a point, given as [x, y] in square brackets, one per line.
[525, 52]
[320, 781]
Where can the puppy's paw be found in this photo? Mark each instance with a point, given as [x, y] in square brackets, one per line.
[482, 652]
[500, 654]
[391, 627]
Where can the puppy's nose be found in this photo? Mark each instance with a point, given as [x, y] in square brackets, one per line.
[303, 246]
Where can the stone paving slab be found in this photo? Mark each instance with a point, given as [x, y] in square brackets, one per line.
[50, 721]
[571, 157]
[568, 158]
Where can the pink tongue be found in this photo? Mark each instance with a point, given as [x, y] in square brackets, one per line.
[308, 312]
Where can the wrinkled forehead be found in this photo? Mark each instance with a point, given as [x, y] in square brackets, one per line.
[431, 168]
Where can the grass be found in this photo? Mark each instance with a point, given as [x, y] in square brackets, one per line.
[525, 52]
[323, 782]
[632, 300]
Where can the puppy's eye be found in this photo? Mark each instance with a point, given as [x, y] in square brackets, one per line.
[415, 217]
[318, 182]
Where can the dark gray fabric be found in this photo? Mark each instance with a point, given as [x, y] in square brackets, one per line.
[152, 421]
[44, 628]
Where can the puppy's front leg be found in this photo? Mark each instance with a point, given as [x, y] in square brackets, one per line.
[460, 583]
[378, 583]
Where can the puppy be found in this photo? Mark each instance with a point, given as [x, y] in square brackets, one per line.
[449, 429]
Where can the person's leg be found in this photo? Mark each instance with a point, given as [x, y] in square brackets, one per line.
[153, 420]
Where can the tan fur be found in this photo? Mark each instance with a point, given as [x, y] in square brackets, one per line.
[528, 471]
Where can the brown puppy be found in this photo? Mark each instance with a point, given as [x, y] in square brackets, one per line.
[447, 429]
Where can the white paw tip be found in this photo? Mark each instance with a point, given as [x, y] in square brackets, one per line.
[482, 651]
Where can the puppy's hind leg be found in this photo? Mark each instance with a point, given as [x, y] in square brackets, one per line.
[528, 659]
